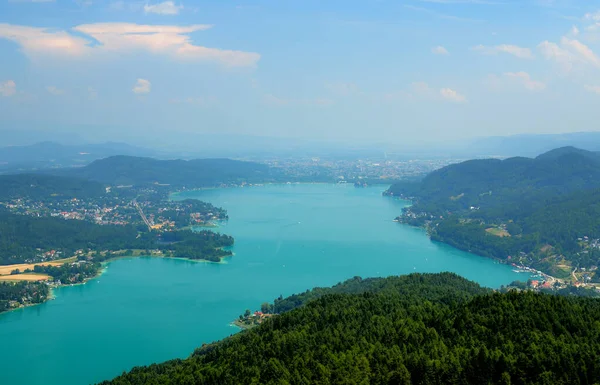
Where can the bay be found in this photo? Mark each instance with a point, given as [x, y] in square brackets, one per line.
[289, 238]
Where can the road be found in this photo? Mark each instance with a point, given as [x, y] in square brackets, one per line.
[139, 209]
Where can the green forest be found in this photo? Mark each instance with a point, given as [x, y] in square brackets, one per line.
[417, 329]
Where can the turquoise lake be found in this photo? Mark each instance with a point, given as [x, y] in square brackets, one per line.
[288, 238]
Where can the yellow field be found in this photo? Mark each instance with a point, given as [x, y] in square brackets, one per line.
[24, 277]
[497, 232]
[5, 270]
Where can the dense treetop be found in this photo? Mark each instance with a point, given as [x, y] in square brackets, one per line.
[410, 336]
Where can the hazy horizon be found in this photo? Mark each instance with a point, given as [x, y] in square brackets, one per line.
[415, 71]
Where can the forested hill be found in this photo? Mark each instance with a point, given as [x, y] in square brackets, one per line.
[493, 183]
[129, 170]
[405, 336]
[542, 212]
[42, 187]
[443, 287]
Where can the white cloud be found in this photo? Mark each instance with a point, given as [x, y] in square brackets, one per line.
[142, 86]
[8, 88]
[552, 51]
[594, 89]
[452, 95]
[55, 91]
[520, 52]
[166, 8]
[43, 41]
[524, 79]
[105, 38]
[439, 50]
[582, 50]
[569, 53]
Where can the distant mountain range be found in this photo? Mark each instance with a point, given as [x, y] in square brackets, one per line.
[531, 144]
[52, 155]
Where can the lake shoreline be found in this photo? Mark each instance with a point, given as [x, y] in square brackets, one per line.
[51, 294]
[160, 310]
[425, 228]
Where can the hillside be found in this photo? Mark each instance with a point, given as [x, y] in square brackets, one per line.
[393, 337]
[43, 187]
[492, 183]
[535, 212]
[128, 170]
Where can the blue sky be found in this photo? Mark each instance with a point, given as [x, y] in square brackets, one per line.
[397, 71]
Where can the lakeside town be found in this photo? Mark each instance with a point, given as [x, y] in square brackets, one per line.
[148, 208]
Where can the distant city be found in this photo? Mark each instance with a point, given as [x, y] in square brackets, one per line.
[368, 170]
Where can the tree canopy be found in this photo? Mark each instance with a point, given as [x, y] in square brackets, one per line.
[396, 334]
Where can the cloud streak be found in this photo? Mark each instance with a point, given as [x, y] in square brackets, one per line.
[520, 52]
[103, 38]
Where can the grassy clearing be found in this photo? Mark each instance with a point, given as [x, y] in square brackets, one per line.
[497, 231]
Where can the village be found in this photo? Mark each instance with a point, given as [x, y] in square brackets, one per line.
[150, 209]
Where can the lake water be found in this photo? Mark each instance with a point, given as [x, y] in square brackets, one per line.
[288, 238]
